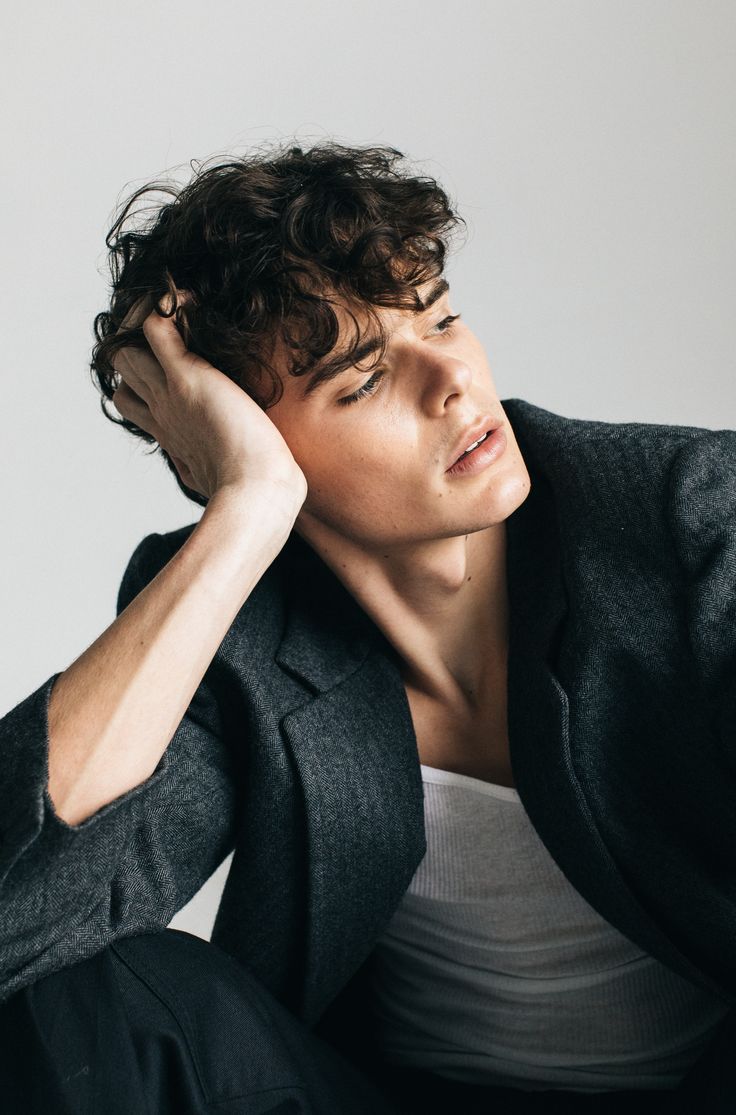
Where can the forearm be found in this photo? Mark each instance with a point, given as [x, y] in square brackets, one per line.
[114, 710]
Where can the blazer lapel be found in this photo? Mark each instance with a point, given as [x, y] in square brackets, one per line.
[355, 750]
[541, 723]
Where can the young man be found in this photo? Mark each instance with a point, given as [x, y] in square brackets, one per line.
[454, 677]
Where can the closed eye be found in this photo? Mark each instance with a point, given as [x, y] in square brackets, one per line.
[371, 384]
[447, 322]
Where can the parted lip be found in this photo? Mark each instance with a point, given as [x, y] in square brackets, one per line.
[482, 425]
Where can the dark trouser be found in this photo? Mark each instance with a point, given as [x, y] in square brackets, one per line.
[167, 1024]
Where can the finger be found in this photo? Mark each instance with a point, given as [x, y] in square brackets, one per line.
[130, 406]
[140, 370]
[137, 313]
[165, 340]
[143, 306]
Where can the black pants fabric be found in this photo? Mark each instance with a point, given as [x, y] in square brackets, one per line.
[168, 1024]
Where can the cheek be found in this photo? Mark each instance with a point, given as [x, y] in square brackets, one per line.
[379, 455]
[352, 483]
[302, 435]
[363, 459]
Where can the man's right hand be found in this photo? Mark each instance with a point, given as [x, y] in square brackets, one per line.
[216, 435]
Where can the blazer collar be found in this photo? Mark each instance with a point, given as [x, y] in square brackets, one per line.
[327, 635]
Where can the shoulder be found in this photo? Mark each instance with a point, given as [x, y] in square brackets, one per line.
[702, 499]
[653, 496]
[547, 434]
[702, 515]
[149, 556]
[155, 550]
[660, 501]
[616, 463]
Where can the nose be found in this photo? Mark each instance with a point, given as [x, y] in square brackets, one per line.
[447, 379]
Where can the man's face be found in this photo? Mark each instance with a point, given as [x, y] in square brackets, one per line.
[377, 464]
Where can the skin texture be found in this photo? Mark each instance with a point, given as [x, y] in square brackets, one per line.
[422, 552]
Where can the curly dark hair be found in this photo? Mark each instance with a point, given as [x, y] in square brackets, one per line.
[263, 244]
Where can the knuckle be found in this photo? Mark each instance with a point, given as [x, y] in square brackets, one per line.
[123, 391]
[152, 323]
[136, 313]
[118, 360]
[132, 361]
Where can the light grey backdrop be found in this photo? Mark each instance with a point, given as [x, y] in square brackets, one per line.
[589, 144]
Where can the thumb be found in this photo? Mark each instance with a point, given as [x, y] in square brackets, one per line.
[162, 333]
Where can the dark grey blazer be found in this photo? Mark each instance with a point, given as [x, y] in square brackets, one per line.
[298, 749]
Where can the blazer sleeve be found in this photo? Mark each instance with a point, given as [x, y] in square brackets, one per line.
[67, 891]
[702, 508]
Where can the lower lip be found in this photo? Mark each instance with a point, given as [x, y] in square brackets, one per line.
[482, 456]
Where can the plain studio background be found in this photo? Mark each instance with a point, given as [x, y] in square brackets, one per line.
[590, 145]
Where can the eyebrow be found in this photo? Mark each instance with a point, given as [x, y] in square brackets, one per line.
[344, 363]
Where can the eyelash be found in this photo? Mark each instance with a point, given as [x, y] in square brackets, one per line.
[370, 385]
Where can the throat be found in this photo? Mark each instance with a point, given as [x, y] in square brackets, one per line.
[463, 740]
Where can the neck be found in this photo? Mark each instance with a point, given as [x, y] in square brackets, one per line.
[442, 604]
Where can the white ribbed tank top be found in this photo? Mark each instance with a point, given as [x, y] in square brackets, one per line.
[494, 970]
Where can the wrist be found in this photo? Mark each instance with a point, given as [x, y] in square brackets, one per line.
[266, 509]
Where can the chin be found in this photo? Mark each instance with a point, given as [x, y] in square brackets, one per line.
[495, 506]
